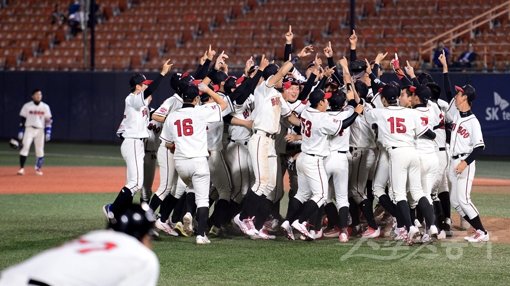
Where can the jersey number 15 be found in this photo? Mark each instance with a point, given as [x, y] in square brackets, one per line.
[184, 127]
[397, 124]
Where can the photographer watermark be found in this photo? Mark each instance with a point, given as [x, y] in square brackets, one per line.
[399, 250]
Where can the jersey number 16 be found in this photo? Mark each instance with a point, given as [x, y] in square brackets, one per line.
[184, 127]
[397, 124]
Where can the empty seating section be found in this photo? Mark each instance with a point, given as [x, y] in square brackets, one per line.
[139, 34]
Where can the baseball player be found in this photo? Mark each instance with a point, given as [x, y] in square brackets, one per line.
[440, 190]
[35, 125]
[119, 255]
[150, 159]
[136, 114]
[186, 136]
[269, 106]
[466, 143]
[337, 163]
[398, 127]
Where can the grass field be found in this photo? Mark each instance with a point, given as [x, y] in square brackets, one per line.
[31, 223]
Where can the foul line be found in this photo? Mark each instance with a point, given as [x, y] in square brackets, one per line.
[72, 156]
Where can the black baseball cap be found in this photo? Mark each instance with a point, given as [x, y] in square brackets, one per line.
[435, 90]
[189, 93]
[423, 92]
[317, 95]
[467, 90]
[270, 70]
[390, 92]
[337, 99]
[357, 66]
[139, 79]
[361, 88]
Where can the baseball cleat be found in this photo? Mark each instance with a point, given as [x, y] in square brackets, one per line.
[301, 227]
[202, 239]
[471, 233]
[343, 237]
[480, 236]
[108, 212]
[417, 223]
[332, 232]
[187, 221]
[165, 227]
[400, 233]
[38, 172]
[245, 225]
[180, 229]
[288, 230]
[263, 234]
[413, 232]
[441, 235]
[433, 231]
[371, 233]
[21, 172]
[426, 238]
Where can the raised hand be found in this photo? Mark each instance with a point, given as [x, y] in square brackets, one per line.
[369, 67]
[166, 67]
[328, 51]
[289, 36]
[380, 57]
[442, 58]
[328, 71]
[343, 62]
[409, 70]
[318, 60]
[210, 53]
[203, 87]
[220, 61]
[353, 39]
[249, 63]
[305, 52]
[264, 62]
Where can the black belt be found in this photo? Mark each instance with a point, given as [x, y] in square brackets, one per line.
[239, 142]
[37, 283]
[442, 148]
[393, 147]
[269, 135]
[458, 156]
[343, 152]
[313, 155]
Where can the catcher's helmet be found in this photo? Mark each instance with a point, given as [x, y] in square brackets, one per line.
[136, 221]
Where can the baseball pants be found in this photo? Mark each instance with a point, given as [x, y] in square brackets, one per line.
[133, 152]
[312, 179]
[167, 174]
[460, 193]
[263, 159]
[382, 174]
[363, 159]
[442, 170]
[429, 165]
[194, 172]
[405, 170]
[337, 170]
[220, 176]
[149, 170]
[37, 136]
[241, 173]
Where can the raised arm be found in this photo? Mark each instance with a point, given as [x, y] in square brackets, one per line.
[353, 41]
[306, 51]
[216, 97]
[289, 36]
[447, 87]
[154, 85]
[205, 62]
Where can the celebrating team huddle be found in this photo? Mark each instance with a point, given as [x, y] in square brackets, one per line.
[344, 137]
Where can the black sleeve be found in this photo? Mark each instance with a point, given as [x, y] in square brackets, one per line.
[22, 121]
[287, 52]
[447, 87]
[349, 120]
[227, 118]
[375, 83]
[248, 86]
[153, 86]
[429, 135]
[322, 83]
[201, 71]
[405, 81]
[415, 81]
[331, 62]
[476, 152]
[307, 88]
[352, 56]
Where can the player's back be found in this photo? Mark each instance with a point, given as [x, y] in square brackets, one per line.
[103, 257]
[397, 126]
[315, 128]
[428, 117]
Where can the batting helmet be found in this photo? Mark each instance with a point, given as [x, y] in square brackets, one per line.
[136, 221]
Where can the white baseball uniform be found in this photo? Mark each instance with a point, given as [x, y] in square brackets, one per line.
[220, 176]
[466, 135]
[316, 126]
[103, 257]
[397, 129]
[186, 128]
[441, 184]
[237, 155]
[269, 107]
[151, 158]
[167, 174]
[136, 120]
[363, 145]
[337, 163]
[38, 116]
[427, 150]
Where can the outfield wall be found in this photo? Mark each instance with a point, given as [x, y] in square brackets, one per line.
[88, 107]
